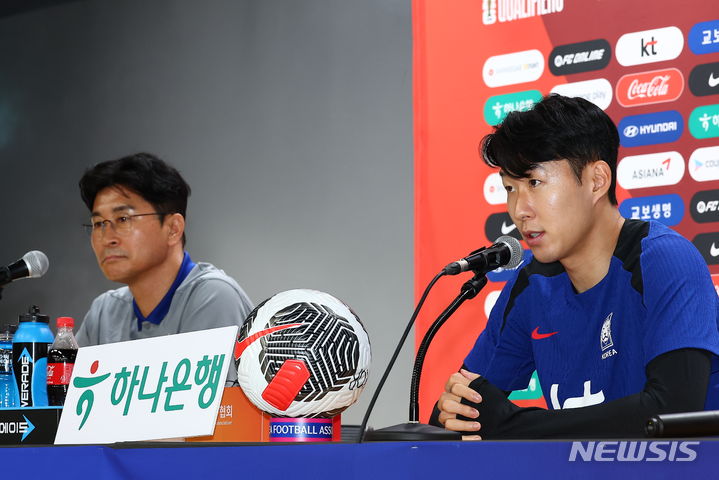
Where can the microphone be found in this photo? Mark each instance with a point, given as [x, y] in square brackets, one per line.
[691, 424]
[33, 264]
[506, 252]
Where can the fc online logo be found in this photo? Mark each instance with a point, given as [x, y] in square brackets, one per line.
[580, 57]
[705, 206]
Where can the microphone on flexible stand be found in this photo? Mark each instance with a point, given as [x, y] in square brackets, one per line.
[506, 252]
[33, 264]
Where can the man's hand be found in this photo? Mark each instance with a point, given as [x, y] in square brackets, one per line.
[455, 390]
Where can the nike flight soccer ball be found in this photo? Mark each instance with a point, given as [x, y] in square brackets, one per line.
[302, 353]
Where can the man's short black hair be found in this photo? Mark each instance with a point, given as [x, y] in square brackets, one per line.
[143, 173]
[556, 128]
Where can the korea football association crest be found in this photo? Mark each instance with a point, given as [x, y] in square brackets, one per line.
[605, 338]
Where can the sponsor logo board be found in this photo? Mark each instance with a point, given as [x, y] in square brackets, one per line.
[708, 246]
[704, 206]
[494, 192]
[497, 108]
[649, 46]
[704, 121]
[597, 91]
[499, 224]
[579, 57]
[646, 88]
[704, 37]
[513, 68]
[650, 128]
[532, 392]
[704, 164]
[668, 209]
[704, 79]
[650, 170]
[509, 11]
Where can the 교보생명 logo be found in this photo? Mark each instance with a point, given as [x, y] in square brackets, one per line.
[504, 11]
[650, 128]
[668, 209]
[649, 46]
[646, 88]
[704, 37]
[494, 192]
[513, 68]
[704, 164]
[650, 170]
[705, 206]
[704, 79]
[579, 57]
[708, 246]
[597, 91]
[499, 224]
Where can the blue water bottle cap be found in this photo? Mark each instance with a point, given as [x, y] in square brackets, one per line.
[34, 315]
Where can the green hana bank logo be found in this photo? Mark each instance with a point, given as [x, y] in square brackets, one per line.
[138, 382]
[497, 108]
[532, 392]
[704, 122]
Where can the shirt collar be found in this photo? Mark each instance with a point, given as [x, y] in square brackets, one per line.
[160, 311]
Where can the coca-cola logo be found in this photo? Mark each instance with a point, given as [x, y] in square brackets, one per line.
[650, 87]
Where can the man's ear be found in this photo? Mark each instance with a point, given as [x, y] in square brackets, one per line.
[176, 228]
[600, 177]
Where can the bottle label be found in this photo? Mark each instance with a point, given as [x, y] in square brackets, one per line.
[30, 369]
[59, 373]
[5, 360]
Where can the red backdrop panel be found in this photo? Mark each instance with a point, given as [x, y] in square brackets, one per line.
[452, 42]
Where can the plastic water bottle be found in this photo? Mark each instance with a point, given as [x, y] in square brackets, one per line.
[29, 357]
[60, 361]
[8, 390]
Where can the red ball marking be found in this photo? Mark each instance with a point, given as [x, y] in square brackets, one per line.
[94, 366]
[287, 383]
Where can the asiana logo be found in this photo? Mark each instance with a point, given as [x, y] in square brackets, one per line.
[510, 10]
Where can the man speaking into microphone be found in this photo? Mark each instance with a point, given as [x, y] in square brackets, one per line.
[137, 230]
[618, 317]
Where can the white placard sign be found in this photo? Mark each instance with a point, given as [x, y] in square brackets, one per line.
[163, 387]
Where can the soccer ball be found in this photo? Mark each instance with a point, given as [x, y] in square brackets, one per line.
[302, 353]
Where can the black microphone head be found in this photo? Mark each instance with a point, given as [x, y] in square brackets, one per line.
[37, 263]
[515, 249]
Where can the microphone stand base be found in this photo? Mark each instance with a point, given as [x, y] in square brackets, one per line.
[411, 432]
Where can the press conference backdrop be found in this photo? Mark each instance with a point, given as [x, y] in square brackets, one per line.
[290, 120]
[652, 66]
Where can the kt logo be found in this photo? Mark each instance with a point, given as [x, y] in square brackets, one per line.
[648, 47]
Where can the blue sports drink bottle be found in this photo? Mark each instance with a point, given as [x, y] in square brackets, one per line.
[29, 352]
